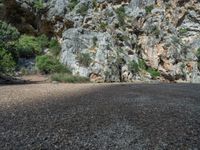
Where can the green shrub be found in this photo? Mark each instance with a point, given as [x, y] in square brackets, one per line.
[7, 63]
[183, 30]
[84, 59]
[48, 64]
[29, 46]
[142, 64]
[153, 72]
[42, 40]
[133, 67]
[38, 4]
[83, 10]
[149, 8]
[120, 15]
[54, 47]
[8, 36]
[68, 78]
[8, 33]
[72, 4]
[94, 3]
[103, 25]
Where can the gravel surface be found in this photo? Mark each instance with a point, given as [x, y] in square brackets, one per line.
[100, 116]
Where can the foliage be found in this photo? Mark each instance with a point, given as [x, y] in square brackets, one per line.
[84, 59]
[8, 36]
[47, 64]
[54, 47]
[29, 46]
[183, 30]
[14, 46]
[38, 4]
[133, 67]
[83, 9]
[142, 64]
[94, 3]
[7, 63]
[153, 72]
[8, 33]
[121, 15]
[68, 78]
[103, 25]
[72, 4]
[149, 8]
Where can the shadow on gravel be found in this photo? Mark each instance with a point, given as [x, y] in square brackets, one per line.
[117, 116]
[18, 81]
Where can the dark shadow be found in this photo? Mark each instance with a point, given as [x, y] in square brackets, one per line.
[16, 81]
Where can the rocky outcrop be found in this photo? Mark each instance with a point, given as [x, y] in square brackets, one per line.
[125, 40]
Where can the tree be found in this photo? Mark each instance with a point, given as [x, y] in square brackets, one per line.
[8, 36]
[7, 63]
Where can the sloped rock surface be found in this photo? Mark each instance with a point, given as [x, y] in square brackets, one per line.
[163, 34]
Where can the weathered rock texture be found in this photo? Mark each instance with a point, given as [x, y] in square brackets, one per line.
[163, 35]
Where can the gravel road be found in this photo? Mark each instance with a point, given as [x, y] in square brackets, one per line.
[100, 116]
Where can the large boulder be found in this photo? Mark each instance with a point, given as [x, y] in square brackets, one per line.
[79, 42]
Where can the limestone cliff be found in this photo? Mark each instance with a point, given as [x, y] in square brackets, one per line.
[118, 40]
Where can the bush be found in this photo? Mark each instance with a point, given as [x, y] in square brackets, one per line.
[7, 63]
[183, 30]
[38, 4]
[29, 46]
[72, 4]
[142, 64]
[103, 25]
[8, 33]
[68, 78]
[8, 36]
[94, 3]
[47, 64]
[120, 15]
[84, 59]
[153, 72]
[54, 47]
[149, 8]
[83, 10]
[133, 67]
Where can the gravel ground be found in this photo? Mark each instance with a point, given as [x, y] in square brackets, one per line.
[100, 116]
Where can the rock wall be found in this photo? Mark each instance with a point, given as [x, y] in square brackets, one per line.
[164, 35]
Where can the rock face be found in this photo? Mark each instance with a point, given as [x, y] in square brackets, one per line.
[125, 40]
